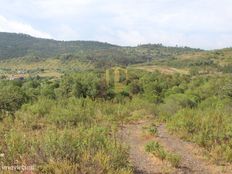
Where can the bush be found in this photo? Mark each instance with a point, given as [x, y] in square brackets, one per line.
[41, 108]
[11, 98]
[175, 102]
[210, 128]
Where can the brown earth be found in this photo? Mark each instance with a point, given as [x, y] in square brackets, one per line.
[192, 162]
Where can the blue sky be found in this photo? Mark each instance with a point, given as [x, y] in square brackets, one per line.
[196, 23]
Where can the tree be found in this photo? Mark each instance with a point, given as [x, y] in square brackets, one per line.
[11, 98]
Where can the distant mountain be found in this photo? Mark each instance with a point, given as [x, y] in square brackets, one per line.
[19, 45]
[14, 45]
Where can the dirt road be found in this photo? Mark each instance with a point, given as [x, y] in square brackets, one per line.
[145, 163]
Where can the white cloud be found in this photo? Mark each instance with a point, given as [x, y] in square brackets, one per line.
[17, 27]
[61, 8]
[66, 33]
[196, 23]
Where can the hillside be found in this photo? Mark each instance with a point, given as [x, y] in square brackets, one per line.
[91, 107]
[20, 45]
[25, 53]
[14, 45]
[203, 61]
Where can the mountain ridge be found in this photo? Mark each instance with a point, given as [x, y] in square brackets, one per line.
[19, 45]
[13, 45]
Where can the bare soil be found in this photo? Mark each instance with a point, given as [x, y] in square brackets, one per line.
[144, 163]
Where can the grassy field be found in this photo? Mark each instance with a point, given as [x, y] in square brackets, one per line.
[162, 69]
[42, 67]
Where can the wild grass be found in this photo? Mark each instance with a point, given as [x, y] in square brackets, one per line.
[150, 131]
[157, 150]
[74, 135]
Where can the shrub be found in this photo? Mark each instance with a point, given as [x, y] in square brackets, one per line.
[42, 107]
[11, 98]
[210, 128]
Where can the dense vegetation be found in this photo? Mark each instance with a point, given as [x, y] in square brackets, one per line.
[69, 124]
[204, 62]
[19, 45]
[102, 54]
[197, 108]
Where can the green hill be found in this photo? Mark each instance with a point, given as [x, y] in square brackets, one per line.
[20, 51]
[19, 45]
[14, 45]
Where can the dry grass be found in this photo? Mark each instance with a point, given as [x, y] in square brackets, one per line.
[162, 69]
[45, 67]
[50, 74]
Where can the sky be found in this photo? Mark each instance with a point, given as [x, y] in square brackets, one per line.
[205, 24]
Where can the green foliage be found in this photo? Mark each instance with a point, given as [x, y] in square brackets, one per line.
[41, 108]
[20, 45]
[198, 110]
[209, 126]
[71, 129]
[70, 134]
[11, 97]
[174, 159]
[226, 68]
[102, 55]
[134, 87]
[81, 85]
[194, 71]
[156, 149]
[151, 129]
[70, 124]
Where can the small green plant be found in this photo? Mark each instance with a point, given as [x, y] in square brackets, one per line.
[151, 146]
[174, 159]
[150, 130]
[156, 149]
[153, 130]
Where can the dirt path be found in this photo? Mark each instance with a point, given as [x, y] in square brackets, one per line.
[145, 163]
[189, 162]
